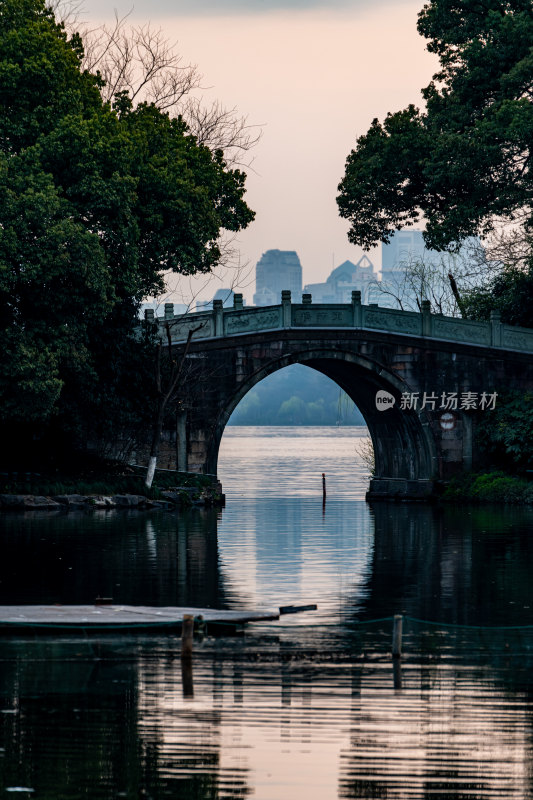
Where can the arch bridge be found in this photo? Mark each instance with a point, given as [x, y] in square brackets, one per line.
[422, 381]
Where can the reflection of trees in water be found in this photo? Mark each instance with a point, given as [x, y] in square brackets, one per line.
[74, 730]
[83, 725]
[121, 724]
[133, 557]
[453, 565]
[459, 727]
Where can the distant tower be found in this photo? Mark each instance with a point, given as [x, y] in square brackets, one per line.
[404, 248]
[277, 270]
[407, 249]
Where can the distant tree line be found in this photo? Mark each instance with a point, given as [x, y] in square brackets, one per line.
[296, 395]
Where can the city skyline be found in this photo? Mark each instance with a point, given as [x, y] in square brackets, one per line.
[312, 77]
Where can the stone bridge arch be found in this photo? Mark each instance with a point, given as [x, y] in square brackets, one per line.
[427, 357]
[404, 446]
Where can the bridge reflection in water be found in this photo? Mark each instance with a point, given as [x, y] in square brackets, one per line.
[311, 708]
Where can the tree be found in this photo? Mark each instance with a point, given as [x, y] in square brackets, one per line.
[465, 161]
[141, 61]
[510, 292]
[504, 436]
[293, 411]
[97, 201]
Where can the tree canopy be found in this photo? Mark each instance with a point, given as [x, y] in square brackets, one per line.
[97, 200]
[465, 160]
[511, 292]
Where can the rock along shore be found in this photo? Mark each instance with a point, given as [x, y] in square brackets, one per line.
[172, 498]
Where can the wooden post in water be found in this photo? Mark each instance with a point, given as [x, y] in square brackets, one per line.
[186, 677]
[187, 630]
[324, 488]
[397, 636]
[397, 673]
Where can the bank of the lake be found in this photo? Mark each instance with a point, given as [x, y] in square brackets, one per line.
[182, 490]
[494, 486]
[111, 486]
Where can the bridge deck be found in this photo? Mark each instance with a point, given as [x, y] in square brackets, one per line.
[239, 320]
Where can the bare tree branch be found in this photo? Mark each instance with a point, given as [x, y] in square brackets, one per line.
[427, 277]
[142, 61]
[221, 128]
[511, 243]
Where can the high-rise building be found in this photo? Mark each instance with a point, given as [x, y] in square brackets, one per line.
[408, 267]
[275, 271]
[404, 247]
[343, 280]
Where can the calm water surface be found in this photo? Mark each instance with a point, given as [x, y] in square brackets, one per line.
[311, 707]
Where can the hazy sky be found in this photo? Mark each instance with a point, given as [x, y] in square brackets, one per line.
[313, 75]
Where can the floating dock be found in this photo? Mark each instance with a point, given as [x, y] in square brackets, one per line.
[111, 617]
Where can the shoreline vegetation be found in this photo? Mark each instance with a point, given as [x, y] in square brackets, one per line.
[491, 486]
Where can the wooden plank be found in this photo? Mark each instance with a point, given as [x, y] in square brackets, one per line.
[102, 616]
[297, 609]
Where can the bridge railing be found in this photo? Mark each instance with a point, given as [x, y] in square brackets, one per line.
[222, 322]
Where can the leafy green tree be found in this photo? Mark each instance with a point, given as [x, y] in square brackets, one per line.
[504, 436]
[510, 292]
[97, 201]
[465, 160]
[316, 412]
[46, 258]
